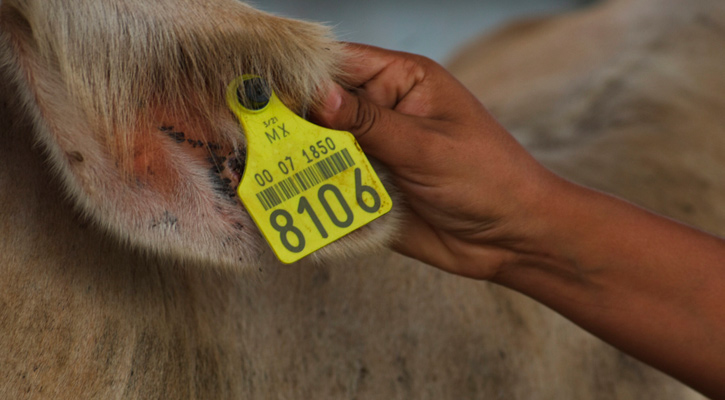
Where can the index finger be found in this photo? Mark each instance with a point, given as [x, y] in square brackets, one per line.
[363, 62]
[384, 77]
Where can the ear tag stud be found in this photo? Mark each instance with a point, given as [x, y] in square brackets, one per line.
[304, 185]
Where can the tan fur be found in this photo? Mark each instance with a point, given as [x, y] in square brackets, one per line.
[625, 96]
[122, 260]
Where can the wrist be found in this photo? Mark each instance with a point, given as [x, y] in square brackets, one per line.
[530, 231]
[555, 229]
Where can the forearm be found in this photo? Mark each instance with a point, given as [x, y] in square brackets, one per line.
[650, 286]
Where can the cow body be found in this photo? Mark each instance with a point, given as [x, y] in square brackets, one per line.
[102, 298]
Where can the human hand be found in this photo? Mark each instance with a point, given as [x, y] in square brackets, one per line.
[472, 191]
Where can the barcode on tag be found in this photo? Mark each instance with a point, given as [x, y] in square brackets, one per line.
[305, 179]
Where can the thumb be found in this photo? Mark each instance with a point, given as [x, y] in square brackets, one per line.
[379, 130]
[345, 111]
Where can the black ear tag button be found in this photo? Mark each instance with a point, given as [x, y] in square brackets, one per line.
[254, 93]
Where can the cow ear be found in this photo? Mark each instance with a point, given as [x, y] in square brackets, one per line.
[143, 181]
[138, 130]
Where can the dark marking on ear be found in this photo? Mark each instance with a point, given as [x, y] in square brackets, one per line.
[236, 163]
[222, 185]
[76, 156]
[213, 146]
[217, 163]
[219, 159]
[195, 143]
[178, 137]
[238, 226]
[167, 220]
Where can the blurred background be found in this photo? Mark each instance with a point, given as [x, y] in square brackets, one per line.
[431, 28]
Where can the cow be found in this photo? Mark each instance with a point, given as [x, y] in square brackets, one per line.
[129, 268]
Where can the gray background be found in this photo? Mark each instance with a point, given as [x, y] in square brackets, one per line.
[432, 28]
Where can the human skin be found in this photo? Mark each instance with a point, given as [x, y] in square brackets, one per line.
[480, 206]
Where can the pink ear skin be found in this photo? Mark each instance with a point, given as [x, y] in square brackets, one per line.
[166, 144]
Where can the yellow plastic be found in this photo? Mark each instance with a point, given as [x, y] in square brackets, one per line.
[304, 185]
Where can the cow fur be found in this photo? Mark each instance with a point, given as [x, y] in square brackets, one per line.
[127, 270]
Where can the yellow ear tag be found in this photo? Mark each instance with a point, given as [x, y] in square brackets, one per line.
[305, 186]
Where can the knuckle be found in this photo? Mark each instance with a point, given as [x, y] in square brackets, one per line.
[413, 65]
[366, 118]
[418, 64]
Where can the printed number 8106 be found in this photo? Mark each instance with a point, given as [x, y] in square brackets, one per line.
[283, 222]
